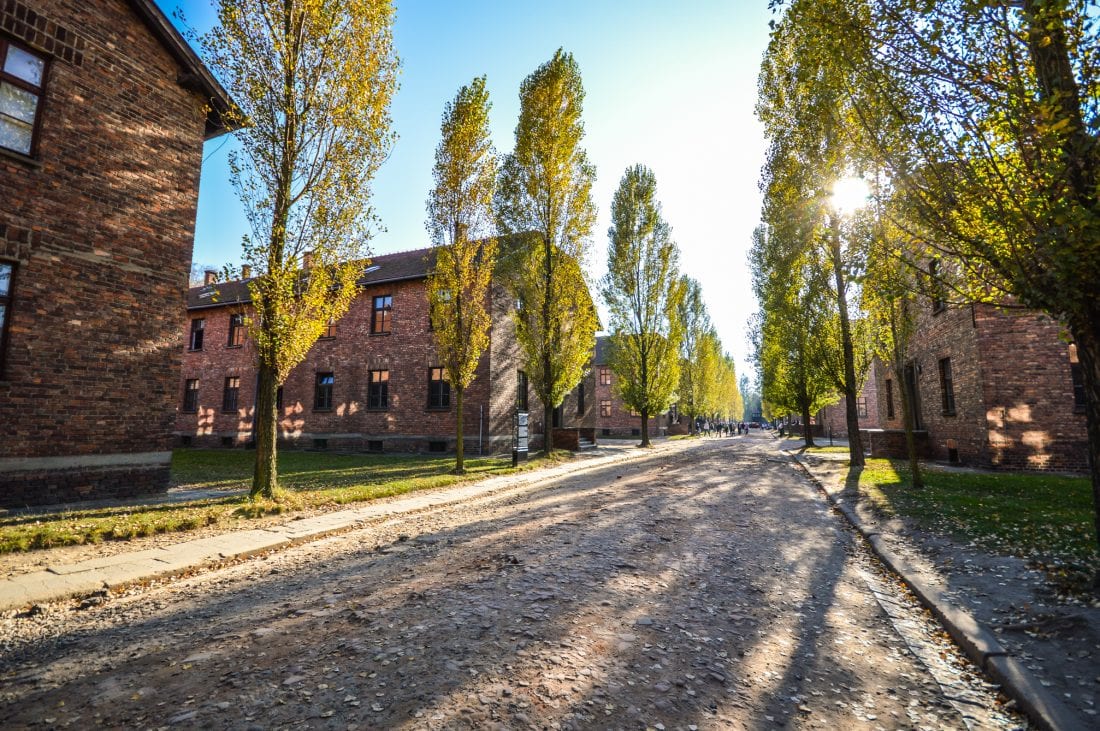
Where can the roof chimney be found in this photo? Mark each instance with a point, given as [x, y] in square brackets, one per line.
[209, 276]
[246, 271]
[307, 260]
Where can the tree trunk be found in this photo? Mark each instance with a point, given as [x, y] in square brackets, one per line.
[807, 434]
[460, 468]
[908, 418]
[851, 412]
[547, 429]
[265, 477]
[1088, 355]
[645, 428]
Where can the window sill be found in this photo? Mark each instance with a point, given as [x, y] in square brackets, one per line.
[194, 350]
[378, 410]
[234, 347]
[949, 413]
[379, 335]
[438, 409]
[326, 337]
[322, 410]
[189, 411]
[20, 157]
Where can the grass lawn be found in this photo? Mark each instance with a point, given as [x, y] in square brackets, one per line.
[309, 480]
[826, 449]
[1045, 518]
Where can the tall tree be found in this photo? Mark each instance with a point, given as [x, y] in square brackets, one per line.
[643, 291]
[994, 137]
[694, 323]
[806, 112]
[545, 189]
[461, 225]
[314, 79]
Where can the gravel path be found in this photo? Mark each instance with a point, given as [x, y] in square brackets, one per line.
[707, 587]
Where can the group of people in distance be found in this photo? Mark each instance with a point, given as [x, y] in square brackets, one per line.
[720, 428]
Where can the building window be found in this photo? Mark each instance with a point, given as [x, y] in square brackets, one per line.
[191, 396]
[378, 392]
[22, 81]
[439, 391]
[236, 331]
[198, 327]
[1078, 375]
[605, 407]
[605, 376]
[947, 387]
[889, 399]
[521, 390]
[7, 278]
[935, 286]
[322, 392]
[861, 407]
[580, 399]
[330, 329]
[230, 393]
[381, 315]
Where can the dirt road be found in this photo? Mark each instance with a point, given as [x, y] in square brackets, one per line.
[707, 587]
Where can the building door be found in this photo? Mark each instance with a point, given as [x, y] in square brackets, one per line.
[913, 391]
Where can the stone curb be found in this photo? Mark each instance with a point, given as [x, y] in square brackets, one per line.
[126, 569]
[977, 642]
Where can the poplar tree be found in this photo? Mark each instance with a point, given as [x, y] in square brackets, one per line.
[313, 79]
[694, 324]
[461, 225]
[643, 291]
[545, 190]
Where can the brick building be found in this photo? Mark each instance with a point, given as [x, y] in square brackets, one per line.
[613, 417]
[104, 109]
[993, 388]
[833, 419]
[373, 383]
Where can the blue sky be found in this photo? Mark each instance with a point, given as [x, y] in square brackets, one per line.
[668, 84]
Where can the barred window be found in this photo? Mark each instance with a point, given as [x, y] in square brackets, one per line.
[378, 391]
[381, 315]
[322, 391]
[605, 407]
[947, 387]
[22, 83]
[191, 396]
[230, 393]
[198, 327]
[236, 331]
[439, 390]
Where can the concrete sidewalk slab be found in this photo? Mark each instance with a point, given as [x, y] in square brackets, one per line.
[976, 641]
[63, 581]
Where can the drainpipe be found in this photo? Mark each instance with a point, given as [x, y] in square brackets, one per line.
[481, 430]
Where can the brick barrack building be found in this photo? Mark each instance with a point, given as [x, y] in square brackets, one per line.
[613, 417]
[993, 388]
[372, 383]
[104, 109]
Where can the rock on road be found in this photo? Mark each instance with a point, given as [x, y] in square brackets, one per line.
[708, 586]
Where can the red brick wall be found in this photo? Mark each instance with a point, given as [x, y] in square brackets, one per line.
[834, 417]
[408, 352]
[101, 227]
[1013, 393]
[621, 422]
[1028, 393]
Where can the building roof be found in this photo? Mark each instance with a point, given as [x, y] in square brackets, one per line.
[195, 76]
[399, 267]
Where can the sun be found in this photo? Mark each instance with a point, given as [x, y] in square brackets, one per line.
[849, 195]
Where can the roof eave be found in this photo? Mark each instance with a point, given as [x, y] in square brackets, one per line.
[196, 76]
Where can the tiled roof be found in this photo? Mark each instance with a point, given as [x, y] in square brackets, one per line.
[383, 268]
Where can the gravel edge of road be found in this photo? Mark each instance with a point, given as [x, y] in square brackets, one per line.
[27, 590]
[977, 642]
